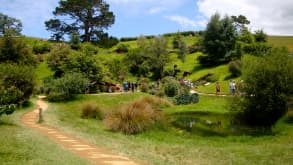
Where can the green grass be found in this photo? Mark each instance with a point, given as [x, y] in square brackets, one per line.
[176, 143]
[42, 72]
[21, 145]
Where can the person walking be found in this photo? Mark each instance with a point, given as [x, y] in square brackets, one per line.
[218, 88]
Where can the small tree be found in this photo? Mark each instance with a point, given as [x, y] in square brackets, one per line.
[75, 40]
[268, 81]
[182, 51]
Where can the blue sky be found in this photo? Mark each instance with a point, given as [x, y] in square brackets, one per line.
[152, 17]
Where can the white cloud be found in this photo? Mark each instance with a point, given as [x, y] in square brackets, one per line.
[32, 13]
[274, 17]
[135, 7]
[156, 10]
[185, 22]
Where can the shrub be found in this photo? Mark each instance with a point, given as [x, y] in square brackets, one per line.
[20, 76]
[41, 47]
[9, 98]
[135, 117]
[156, 102]
[186, 99]
[171, 86]
[91, 110]
[235, 68]
[89, 49]
[128, 39]
[143, 84]
[122, 48]
[64, 88]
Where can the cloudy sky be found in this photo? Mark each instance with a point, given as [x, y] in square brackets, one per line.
[146, 17]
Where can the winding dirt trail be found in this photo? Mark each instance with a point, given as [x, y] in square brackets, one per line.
[94, 154]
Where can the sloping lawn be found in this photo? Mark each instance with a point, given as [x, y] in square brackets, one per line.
[173, 141]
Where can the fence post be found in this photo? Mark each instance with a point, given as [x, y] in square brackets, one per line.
[40, 115]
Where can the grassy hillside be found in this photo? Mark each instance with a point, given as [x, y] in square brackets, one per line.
[286, 41]
[191, 65]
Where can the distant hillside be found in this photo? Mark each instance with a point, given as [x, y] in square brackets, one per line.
[282, 41]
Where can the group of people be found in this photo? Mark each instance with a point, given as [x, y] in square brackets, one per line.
[233, 87]
[129, 86]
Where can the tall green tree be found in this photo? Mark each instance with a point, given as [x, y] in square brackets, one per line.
[158, 56]
[219, 39]
[267, 85]
[8, 23]
[89, 17]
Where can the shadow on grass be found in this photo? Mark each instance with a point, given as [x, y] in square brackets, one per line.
[198, 68]
[6, 122]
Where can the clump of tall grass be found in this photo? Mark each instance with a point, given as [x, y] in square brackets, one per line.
[92, 110]
[137, 116]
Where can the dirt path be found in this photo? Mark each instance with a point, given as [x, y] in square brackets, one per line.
[79, 147]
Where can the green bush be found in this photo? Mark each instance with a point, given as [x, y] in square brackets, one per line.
[91, 110]
[89, 49]
[7, 109]
[171, 86]
[122, 48]
[58, 97]
[135, 117]
[9, 98]
[22, 77]
[186, 99]
[235, 68]
[143, 85]
[41, 47]
[64, 88]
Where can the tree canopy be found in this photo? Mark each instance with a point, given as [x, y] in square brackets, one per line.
[88, 17]
[13, 25]
[219, 39]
